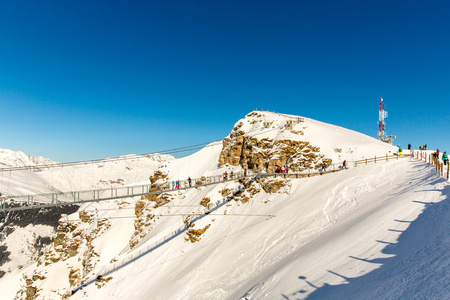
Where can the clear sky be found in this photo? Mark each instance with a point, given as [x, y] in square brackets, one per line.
[83, 80]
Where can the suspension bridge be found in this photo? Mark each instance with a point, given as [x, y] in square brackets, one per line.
[96, 195]
[54, 199]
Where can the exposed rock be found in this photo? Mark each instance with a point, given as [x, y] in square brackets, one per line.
[101, 282]
[205, 201]
[86, 217]
[274, 185]
[75, 277]
[246, 195]
[266, 154]
[157, 175]
[144, 219]
[201, 181]
[225, 192]
[29, 291]
[193, 235]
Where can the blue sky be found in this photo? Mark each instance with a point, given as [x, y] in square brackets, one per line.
[83, 80]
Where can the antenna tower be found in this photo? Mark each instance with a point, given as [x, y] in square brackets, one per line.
[382, 124]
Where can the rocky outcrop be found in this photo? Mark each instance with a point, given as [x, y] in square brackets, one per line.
[266, 154]
[205, 201]
[193, 235]
[275, 185]
[30, 291]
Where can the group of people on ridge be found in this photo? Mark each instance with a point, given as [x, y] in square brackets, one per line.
[435, 154]
[444, 156]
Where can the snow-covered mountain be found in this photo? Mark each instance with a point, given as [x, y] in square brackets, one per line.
[19, 159]
[24, 234]
[76, 176]
[375, 231]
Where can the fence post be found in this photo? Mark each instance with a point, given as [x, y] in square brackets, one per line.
[448, 168]
[366, 161]
[386, 157]
[375, 159]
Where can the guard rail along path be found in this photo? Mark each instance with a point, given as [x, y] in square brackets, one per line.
[441, 169]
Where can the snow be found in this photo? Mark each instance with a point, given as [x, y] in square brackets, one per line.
[21, 244]
[374, 231]
[84, 176]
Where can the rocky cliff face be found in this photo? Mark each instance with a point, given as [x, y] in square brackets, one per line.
[258, 154]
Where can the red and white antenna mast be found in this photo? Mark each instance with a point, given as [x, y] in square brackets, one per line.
[382, 124]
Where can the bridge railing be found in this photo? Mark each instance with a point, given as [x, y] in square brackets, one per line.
[95, 195]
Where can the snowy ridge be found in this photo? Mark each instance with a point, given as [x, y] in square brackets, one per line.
[19, 159]
[80, 176]
[327, 231]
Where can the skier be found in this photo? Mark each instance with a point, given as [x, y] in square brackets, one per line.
[231, 175]
[225, 176]
[409, 146]
[445, 158]
[400, 150]
[437, 153]
[190, 182]
[173, 184]
[344, 164]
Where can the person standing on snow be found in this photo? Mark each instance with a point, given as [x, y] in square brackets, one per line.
[445, 158]
[190, 181]
[409, 146]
